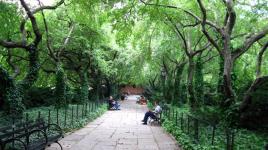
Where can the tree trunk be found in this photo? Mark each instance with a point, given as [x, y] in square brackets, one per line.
[109, 88]
[191, 94]
[33, 66]
[177, 85]
[11, 94]
[248, 97]
[228, 92]
[199, 80]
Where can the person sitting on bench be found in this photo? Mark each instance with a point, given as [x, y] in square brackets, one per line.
[113, 104]
[142, 100]
[152, 114]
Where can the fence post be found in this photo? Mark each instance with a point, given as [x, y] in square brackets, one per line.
[188, 124]
[228, 139]
[196, 129]
[48, 121]
[213, 134]
[65, 115]
[27, 117]
[57, 116]
[72, 120]
[82, 113]
[182, 121]
[86, 110]
[169, 113]
[39, 115]
[233, 138]
[77, 111]
[173, 113]
[13, 129]
[89, 107]
[176, 118]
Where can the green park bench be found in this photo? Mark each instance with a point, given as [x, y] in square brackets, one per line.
[30, 135]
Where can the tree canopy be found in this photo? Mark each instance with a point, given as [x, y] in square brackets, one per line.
[200, 53]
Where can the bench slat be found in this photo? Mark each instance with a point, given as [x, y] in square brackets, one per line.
[23, 130]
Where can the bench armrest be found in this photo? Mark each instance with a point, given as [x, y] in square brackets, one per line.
[37, 131]
[54, 127]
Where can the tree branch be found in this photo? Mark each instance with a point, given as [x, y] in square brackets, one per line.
[203, 23]
[10, 44]
[15, 68]
[209, 59]
[259, 60]
[249, 42]
[37, 33]
[231, 16]
[41, 8]
[180, 35]
[50, 49]
[66, 41]
[210, 23]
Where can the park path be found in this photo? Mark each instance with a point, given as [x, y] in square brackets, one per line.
[119, 130]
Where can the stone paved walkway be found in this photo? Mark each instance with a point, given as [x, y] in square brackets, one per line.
[119, 130]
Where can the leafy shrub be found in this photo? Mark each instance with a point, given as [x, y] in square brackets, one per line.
[243, 139]
[39, 96]
[60, 91]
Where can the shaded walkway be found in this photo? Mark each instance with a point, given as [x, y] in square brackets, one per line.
[116, 130]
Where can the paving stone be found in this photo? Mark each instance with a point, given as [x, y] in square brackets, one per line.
[119, 130]
[127, 141]
[73, 137]
[126, 147]
[149, 146]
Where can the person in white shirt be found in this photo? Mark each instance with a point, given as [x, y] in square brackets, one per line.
[152, 114]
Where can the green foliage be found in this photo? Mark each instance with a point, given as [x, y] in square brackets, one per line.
[39, 96]
[10, 20]
[244, 139]
[78, 122]
[84, 94]
[128, 42]
[14, 102]
[178, 99]
[13, 98]
[199, 80]
[254, 116]
[32, 69]
[220, 80]
[60, 91]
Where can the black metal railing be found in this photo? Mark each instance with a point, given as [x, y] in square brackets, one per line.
[200, 131]
[67, 116]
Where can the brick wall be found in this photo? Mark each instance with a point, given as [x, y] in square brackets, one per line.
[132, 90]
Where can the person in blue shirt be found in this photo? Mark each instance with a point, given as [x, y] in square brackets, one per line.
[113, 104]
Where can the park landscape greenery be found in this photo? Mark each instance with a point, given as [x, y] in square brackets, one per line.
[206, 56]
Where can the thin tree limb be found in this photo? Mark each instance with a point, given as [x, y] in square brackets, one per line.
[203, 23]
[259, 59]
[254, 37]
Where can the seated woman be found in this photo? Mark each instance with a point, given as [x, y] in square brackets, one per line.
[113, 104]
[152, 114]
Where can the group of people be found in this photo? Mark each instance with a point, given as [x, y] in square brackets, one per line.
[114, 105]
